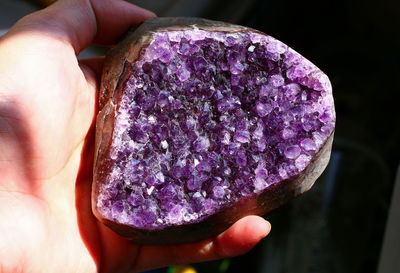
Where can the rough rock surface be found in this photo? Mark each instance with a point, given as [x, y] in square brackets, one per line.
[201, 123]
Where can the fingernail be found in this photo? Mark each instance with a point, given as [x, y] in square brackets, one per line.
[264, 228]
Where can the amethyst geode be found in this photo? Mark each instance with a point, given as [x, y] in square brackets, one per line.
[201, 123]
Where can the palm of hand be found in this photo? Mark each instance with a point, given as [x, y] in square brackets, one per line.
[47, 112]
[49, 107]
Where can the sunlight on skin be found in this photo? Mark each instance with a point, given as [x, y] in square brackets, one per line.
[47, 114]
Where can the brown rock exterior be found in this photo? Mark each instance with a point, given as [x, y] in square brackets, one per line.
[118, 70]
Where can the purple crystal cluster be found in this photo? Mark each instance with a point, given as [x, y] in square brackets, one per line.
[208, 118]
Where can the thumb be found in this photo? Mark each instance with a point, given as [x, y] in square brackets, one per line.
[80, 22]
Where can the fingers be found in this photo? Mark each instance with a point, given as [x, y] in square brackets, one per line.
[92, 69]
[238, 239]
[80, 22]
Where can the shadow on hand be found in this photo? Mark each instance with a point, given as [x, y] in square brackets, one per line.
[16, 153]
[87, 223]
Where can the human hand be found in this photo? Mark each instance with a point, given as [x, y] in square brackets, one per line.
[47, 113]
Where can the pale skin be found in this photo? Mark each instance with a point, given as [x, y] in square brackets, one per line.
[48, 102]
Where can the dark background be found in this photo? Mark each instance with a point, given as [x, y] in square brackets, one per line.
[339, 225]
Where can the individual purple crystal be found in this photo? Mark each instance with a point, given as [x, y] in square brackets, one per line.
[201, 144]
[205, 118]
[263, 109]
[292, 152]
[308, 144]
